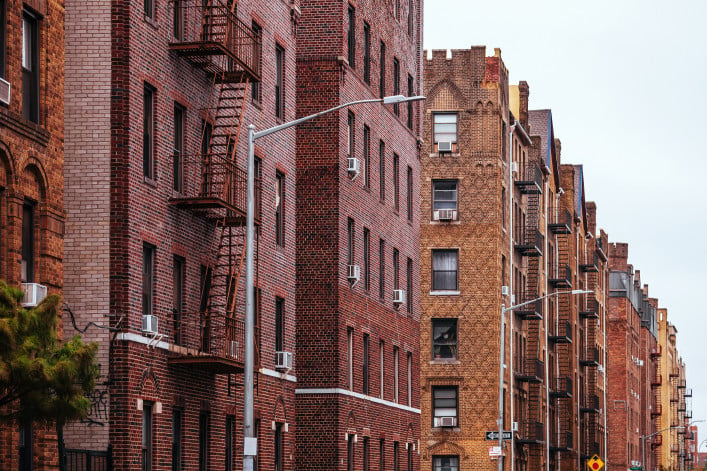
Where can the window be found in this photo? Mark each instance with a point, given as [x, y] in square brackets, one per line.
[26, 446]
[3, 36]
[382, 71]
[396, 181]
[396, 12]
[409, 103]
[352, 37]
[28, 242]
[177, 296]
[256, 434]
[255, 88]
[409, 285]
[381, 269]
[203, 441]
[444, 403]
[444, 270]
[445, 463]
[279, 82]
[381, 170]
[279, 324]
[349, 357]
[366, 454]
[350, 241]
[149, 9]
[409, 378]
[445, 128]
[366, 339]
[367, 53]
[396, 374]
[366, 156]
[205, 138]
[230, 423]
[148, 132]
[177, 422]
[396, 456]
[350, 452]
[178, 20]
[366, 259]
[146, 436]
[444, 338]
[280, 209]
[409, 194]
[396, 83]
[381, 455]
[411, 18]
[351, 135]
[444, 195]
[178, 152]
[396, 269]
[381, 362]
[148, 277]
[279, 446]
[410, 461]
[30, 67]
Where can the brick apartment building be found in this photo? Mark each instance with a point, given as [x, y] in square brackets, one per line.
[31, 180]
[635, 376]
[357, 237]
[503, 223]
[158, 94]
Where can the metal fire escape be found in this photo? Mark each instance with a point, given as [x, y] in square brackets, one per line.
[529, 243]
[228, 51]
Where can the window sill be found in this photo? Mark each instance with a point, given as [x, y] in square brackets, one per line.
[151, 21]
[445, 361]
[445, 293]
[150, 181]
[446, 429]
[444, 154]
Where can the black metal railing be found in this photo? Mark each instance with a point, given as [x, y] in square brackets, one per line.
[563, 334]
[561, 387]
[87, 460]
[530, 241]
[589, 307]
[531, 432]
[561, 441]
[591, 263]
[534, 308]
[530, 179]
[531, 370]
[562, 277]
[591, 404]
[590, 357]
[560, 221]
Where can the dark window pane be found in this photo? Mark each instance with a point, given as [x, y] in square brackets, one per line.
[444, 270]
[444, 338]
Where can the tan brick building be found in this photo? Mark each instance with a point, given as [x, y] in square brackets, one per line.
[31, 180]
[504, 223]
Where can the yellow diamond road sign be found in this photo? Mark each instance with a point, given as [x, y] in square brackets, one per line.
[595, 463]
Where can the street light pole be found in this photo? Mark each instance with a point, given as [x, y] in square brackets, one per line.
[250, 442]
[643, 439]
[502, 355]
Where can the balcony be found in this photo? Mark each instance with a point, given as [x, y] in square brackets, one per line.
[657, 410]
[600, 249]
[674, 398]
[563, 334]
[530, 179]
[656, 351]
[590, 357]
[215, 40]
[533, 311]
[209, 342]
[688, 392]
[560, 222]
[590, 308]
[561, 387]
[530, 242]
[562, 278]
[674, 373]
[531, 433]
[657, 380]
[561, 441]
[656, 441]
[531, 371]
[682, 384]
[688, 414]
[215, 185]
[591, 405]
[591, 264]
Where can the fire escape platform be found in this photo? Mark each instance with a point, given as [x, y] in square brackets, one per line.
[211, 363]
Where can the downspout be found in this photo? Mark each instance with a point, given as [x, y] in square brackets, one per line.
[512, 314]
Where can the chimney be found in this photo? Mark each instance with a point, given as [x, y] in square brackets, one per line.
[618, 256]
[524, 93]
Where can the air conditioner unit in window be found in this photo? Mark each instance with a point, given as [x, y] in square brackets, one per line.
[399, 296]
[283, 360]
[444, 146]
[354, 273]
[445, 421]
[514, 167]
[354, 165]
[4, 91]
[149, 324]
[505, 291]
[34, 294]
[446, 214]
[515, 427]
[233, 349]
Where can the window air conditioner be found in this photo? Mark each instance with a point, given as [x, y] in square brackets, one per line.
[34, 294]
[445, 214]
[283, 360]
[505, 291]
[233, 349]
[4, 91]
[399, 296]
[514, 167]
[354, 165]
[444, 146]
[149, 324]
[354, 273]
[515, 427]
[445, 421]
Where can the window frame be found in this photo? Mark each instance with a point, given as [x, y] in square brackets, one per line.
[437, 200]
[229, 454]
[148, 131]
[445, 466]
[279, 447]
[3, 39]
[439, 323]
[256, 89]
[147, 441]
[410, 107]
[381, 170]
[435, 287]
[410, 288]
[279, 82]
[366, 53]
[178, 284]
[366, 364]
[381, 71]
[381, 269]
[279, 324]
[349, 358]
[148, 9]
[366, 157]
[435, 399]
[179, 122]
[436, 133]
[177, 437]
[204, 419]
[366, 259]
[396, 182]
[396, 83]
[351, 36]
[178, 20]
[28, 251]
[280, 180]
[410, 194]
[30, 67]
[149, 253]
[396, 374]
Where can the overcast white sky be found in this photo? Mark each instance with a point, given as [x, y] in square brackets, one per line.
[627, 84]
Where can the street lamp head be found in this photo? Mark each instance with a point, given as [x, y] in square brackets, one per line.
[581, 291]
[393, 99]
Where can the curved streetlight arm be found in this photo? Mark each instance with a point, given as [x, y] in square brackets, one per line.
[388, 100]
[517, 306]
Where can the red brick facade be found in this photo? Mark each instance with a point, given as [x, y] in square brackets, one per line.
[31, 175]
